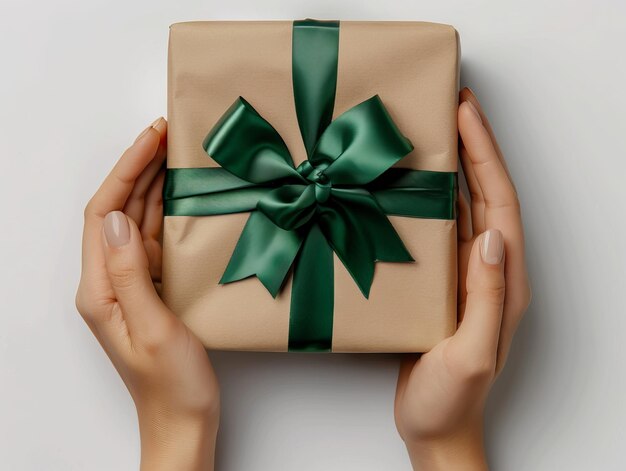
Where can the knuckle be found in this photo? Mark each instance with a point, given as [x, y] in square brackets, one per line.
[161, 336]
[520, 308]
[492, 295]
[120, 178]
[89, 210]
[476, 369]
[527, 298]
[210, 404]
[123, 277]
[470, 367]
[80, 302]
[87, 305]
[510, 202]
[476, 196]
[84, 303]
[515, 203]
[151, 345]
[521, 301]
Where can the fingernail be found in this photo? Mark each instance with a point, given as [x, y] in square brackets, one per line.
[474, 110]
[143, 133]
[492, 247]
[154, 125]
[471, 92]
[116, 229]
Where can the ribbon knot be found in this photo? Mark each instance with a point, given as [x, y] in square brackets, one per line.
[322, 188]
[320, 178]
[317, 176]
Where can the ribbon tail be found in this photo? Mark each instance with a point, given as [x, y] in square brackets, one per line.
[360, 233]
[263, 250]
[312, 296]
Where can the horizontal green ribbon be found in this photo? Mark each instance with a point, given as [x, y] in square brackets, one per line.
[335, 201]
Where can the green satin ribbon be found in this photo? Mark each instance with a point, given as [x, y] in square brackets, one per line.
[336, 201]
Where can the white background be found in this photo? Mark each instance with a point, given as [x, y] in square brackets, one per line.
[78, 81]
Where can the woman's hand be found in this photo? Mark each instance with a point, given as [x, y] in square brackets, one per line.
[441, 395]
[164, 366]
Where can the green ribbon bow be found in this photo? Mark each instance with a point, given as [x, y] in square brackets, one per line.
[327, 190]
[336, 201]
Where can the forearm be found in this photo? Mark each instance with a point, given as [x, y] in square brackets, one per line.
[185, 444]
[464, 452]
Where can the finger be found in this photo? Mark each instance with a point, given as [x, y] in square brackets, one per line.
[464, 245]
[127, 268]
[464, 252]
[112, 195]
[134, 206]
[153, 211]
[118, 185]
[492, 179]
[502, 211]
[468, 95]
[464, 219]
[478, 334]
[477, 200]
[517, 301]
[152, 225]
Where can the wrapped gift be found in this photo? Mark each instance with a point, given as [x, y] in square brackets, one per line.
[311, 185]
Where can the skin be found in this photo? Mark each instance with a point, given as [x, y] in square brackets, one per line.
[164, 366]
[440, 395]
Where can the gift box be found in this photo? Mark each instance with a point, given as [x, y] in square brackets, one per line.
[309, 202]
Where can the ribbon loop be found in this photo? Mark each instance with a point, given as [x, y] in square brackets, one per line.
[360, 144]
[249, 147]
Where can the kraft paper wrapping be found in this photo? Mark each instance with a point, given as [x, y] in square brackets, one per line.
[414, 67]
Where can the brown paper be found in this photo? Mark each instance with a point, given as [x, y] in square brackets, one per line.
[414, 67]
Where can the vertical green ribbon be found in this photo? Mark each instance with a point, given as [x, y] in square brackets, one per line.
[315, 52]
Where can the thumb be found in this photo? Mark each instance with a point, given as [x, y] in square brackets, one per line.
[128, 270]
[479, 332]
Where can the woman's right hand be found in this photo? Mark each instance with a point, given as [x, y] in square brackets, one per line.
[441, 395]
[164, 366]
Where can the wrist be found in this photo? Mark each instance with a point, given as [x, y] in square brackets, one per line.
[183, 443]
[462, 451]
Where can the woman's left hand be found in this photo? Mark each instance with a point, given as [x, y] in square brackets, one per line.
[164, 366]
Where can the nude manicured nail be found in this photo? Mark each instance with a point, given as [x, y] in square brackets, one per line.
[474, 110]
[471, 92]
[492, 247]
[143, 133]
[116, 229]
[154, 125]
[157, 122]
